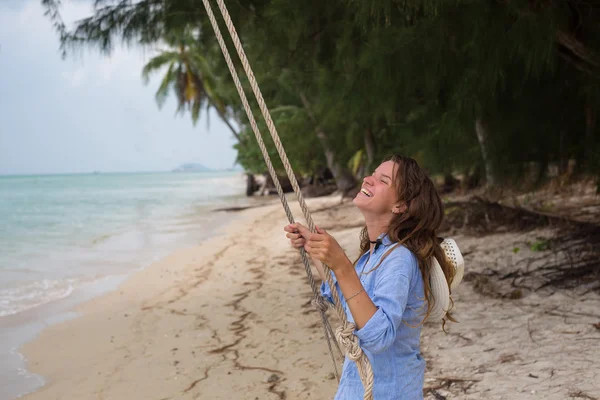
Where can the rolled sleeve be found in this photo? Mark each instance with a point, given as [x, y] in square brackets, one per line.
[390, 296]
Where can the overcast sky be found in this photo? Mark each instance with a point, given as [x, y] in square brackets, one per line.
[88, 113]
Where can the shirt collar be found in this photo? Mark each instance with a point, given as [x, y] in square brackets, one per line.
[385, 240]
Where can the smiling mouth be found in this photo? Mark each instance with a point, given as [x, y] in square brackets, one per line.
[366, 192]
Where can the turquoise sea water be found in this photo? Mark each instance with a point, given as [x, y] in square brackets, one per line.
[58, 232]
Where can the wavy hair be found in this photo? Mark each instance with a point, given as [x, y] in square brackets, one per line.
[417, 227]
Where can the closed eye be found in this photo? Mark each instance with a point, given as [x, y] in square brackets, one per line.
[384, 179]
[387, 180]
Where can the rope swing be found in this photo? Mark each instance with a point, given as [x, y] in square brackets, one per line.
[344, 334]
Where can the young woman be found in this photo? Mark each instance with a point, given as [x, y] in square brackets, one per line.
[386, 293]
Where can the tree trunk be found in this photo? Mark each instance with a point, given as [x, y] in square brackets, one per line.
[342, 175]
[251, 185]
[231, 128]
[590, 127]
[563, 155]
[199, 84]
[483, 136]
[224, 118]
[370, 148]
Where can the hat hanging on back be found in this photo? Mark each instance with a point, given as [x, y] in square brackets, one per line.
[439, 286]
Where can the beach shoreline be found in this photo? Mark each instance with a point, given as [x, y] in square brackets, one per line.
[121, 305]
[231, 318]
[78, 236]
[24, 326]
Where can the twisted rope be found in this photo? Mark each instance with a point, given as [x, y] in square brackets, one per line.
[317, 298]
[344, 334]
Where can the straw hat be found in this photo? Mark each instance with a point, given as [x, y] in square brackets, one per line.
[439, 286]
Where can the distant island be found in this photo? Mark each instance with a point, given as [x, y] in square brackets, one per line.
[192, 167]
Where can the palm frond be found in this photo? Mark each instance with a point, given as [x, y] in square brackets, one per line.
[195, 111]
[157, 62]
[163, 89]
[179, 89]
[190, 90]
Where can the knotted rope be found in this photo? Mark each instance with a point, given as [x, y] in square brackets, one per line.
[345, 333]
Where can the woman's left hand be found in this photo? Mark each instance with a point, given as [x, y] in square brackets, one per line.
[323, 247]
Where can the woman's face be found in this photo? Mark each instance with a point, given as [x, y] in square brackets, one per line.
[378, 193]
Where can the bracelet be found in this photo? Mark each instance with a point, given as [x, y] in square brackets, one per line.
[355, 294]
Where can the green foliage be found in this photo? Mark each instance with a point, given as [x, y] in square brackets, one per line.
[305, 155]
[357, 161]
[188, 76]
[408, 76]
[539, 245]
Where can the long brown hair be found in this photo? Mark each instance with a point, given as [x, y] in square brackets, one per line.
[417, 227]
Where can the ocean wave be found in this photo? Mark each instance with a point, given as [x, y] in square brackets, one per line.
[33, 294]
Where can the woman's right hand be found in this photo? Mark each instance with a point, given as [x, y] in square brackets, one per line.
[294, 234]
[297, 233]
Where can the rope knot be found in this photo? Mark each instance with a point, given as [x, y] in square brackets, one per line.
[320, 303]
[345, 334]
[346, 338]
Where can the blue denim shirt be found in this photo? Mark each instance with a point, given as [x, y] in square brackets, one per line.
[392, 346]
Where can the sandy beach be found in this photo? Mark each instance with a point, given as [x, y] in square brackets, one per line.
[231, 319]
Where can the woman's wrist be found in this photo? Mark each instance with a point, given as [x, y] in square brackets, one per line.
[345, 270]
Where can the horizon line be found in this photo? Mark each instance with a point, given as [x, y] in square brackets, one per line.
[98, 172]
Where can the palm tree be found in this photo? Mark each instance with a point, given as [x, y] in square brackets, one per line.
[189, 76]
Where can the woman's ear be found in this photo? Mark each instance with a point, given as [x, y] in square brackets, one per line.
[400, 208]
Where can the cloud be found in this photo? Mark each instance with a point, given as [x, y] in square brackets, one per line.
[122, 64]
[90, 112]
[74, 79]
[107, 67]
[17, 14]
[26, 20]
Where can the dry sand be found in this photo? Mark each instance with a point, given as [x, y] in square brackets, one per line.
[231, 319]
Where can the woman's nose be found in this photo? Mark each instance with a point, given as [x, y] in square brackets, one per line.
[368, 180]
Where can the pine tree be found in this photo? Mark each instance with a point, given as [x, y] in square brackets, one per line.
[461, 85]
